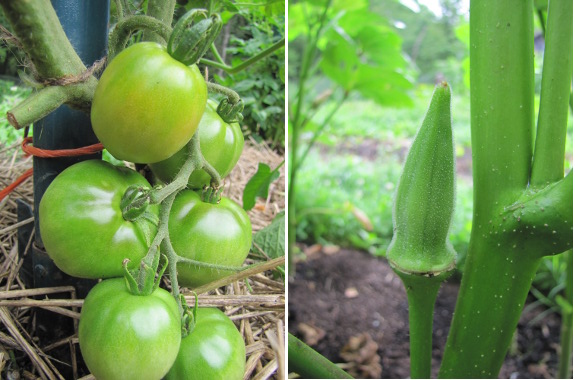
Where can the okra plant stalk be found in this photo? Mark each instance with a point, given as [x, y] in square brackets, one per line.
[420, 252]
[519, 215]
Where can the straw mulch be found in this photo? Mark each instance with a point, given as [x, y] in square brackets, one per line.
[257, 309]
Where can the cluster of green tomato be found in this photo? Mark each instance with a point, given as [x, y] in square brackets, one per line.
[147, 106]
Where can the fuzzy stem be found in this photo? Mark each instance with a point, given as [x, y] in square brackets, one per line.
[308, 363]
[121, 34]
[53, 57]
[246, 271]
[39, 30]
[194, 161]
[549, 157]
[232, 96]
[162, 10]
[37, 105]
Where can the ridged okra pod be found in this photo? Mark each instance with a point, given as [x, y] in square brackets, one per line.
[420, 252]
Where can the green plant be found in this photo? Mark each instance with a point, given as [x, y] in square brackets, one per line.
[147, 105]
[304, 359]
[262, 87]
[65, 80]
[514, 196]
[420, 252]
[221, 144]
[359, 53]
[216, 233]
[81, 212]
[214, 350]
[141, 333]
[522, 209]
[10, 95]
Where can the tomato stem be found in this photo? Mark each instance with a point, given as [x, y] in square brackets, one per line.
[194, 161]
[230, 108]
[52, 56]
[203, 264]
[162, 10]
[124, 29]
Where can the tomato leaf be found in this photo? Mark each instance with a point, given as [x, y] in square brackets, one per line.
[271, 239]
[259, 184]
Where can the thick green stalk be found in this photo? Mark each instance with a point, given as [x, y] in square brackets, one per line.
[549, 157]
[54, 60]
[567, 323]
[38, 28]
[496, 277]
[308, 363]
[490, 301]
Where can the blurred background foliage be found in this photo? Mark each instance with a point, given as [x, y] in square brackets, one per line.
[383, 59]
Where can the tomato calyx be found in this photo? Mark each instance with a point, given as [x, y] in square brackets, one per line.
[212, 194]
[231, 112]
[230, 108]
[193, 35]
[135, 202]
[189, 316]
[144, 280]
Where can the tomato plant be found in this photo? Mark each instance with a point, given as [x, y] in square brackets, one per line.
[128, 336]
[221, 144]
[97, 219]
[81, 221]
[147, 105]
[210, 233]
[214, 349]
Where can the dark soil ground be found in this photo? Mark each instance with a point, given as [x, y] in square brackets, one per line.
[335, 296]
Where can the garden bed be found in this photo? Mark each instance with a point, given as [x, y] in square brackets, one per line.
[346, 297]
[25, 353]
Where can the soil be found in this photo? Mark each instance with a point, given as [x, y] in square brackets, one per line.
[346, 297]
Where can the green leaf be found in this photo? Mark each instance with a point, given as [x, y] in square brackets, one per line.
[271, 239]
[259, 184]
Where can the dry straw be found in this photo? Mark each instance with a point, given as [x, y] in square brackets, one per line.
[257, 308]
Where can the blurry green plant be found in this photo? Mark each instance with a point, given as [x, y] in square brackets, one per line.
[10, 95]
[340, 49]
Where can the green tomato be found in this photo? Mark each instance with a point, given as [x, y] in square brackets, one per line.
[214, 350]
[221, 145]
[126, 336]
[212, 233]
[81, 222]
[147, 105]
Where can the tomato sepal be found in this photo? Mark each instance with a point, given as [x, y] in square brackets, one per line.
[193, 35]
[144, 280]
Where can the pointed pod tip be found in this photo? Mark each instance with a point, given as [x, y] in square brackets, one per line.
[443, 87]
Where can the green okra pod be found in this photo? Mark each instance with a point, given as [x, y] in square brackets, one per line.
[424, 201]
[420, 252]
